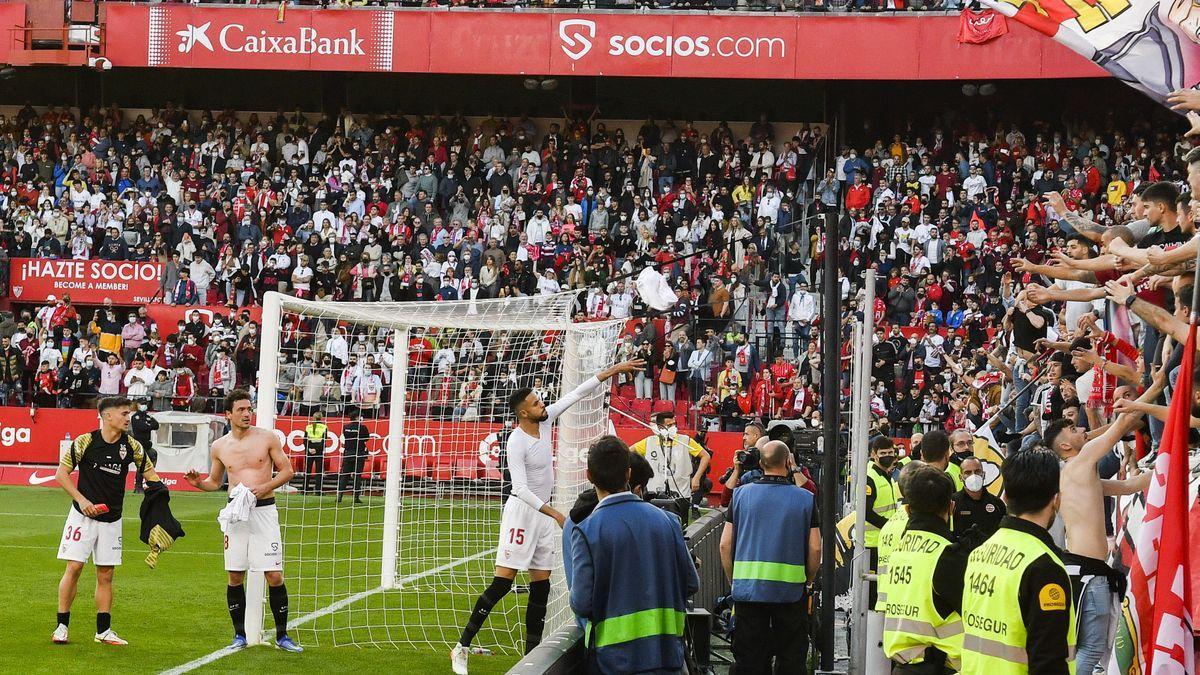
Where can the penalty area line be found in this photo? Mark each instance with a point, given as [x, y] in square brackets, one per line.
[329, 609]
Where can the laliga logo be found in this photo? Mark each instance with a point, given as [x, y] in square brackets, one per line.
[194, 35]
[10, 436]
[578, 42]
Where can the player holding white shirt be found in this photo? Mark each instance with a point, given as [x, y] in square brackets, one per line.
[249, 454]
[527, 535]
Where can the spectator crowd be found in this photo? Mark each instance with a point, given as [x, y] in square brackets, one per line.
[353, 207]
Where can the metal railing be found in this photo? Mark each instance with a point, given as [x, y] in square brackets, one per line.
[563, 651]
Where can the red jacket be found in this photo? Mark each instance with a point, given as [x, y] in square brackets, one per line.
[858, 196]
[1091, 184]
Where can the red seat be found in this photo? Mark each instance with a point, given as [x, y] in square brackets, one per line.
[662, 405]
[416, 467]
[443, 472]
[620, 403]
[467, 469]
[640, 408]
[375, 466]
[627, 391]
[492, 473]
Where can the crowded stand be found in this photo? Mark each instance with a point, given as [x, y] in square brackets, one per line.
[959, 224]
[1032, 280]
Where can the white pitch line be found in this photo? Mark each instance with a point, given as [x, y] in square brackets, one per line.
[325, 611]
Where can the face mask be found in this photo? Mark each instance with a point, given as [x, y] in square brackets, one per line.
[668, 431]
[887, 462]
[974, 483]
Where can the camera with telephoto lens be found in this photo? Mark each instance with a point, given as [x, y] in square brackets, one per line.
[743, 460]
[671, 503]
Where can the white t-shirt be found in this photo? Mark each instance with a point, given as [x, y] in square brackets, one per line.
[531, 460]
[1075, 308]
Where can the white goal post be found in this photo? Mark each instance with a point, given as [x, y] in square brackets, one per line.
[430, 382]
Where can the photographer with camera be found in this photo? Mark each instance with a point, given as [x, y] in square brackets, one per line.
[670, 454]
[745, 460]
[746, 467]
[770, 548]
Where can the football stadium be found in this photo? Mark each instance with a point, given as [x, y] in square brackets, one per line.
[534, 337]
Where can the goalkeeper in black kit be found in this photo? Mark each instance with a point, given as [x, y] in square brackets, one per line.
[93, 527]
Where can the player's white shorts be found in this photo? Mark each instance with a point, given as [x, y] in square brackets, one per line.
[83, 537]
[255, 544]
[528, 538]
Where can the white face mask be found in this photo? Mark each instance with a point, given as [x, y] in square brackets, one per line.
[668, 431]
[974, 482]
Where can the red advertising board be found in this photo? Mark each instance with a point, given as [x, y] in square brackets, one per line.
[899, 47]
[168, 316]
[88, 282]
[25, 438]
[35, 440]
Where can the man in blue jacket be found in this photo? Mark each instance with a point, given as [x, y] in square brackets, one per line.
[770, 548]
[632, 573]
[640, 473]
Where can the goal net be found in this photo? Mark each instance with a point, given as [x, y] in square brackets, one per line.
[404, 407]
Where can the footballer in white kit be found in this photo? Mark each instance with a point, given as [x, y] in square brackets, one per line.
[530, 525]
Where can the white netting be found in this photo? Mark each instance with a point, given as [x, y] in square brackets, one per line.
[456, 366]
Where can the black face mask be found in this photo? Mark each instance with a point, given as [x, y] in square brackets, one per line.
[887, 462]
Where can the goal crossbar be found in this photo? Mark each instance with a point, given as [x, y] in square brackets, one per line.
[537, 312]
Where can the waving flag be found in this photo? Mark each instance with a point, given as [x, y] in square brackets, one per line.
[1157, 638]
[979, 27]
[1153, 45]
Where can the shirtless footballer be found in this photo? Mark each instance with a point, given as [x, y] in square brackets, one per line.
[249, 454]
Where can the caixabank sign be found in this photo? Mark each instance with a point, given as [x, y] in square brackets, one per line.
[170, 35]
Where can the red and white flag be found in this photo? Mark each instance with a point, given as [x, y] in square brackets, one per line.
[980, 27]
[1159, 578]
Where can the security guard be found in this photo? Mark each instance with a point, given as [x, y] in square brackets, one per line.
[770, 548]
[890, 533]
[935, 450]
[1017, 609]
[315, 434]
[922, 632]
[881, 500]
[974, 506]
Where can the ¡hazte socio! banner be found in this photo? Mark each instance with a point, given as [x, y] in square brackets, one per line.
[543, 43]
[88, 282]
[1153, 45]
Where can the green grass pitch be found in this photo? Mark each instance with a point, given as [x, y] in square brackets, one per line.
[176, 613]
